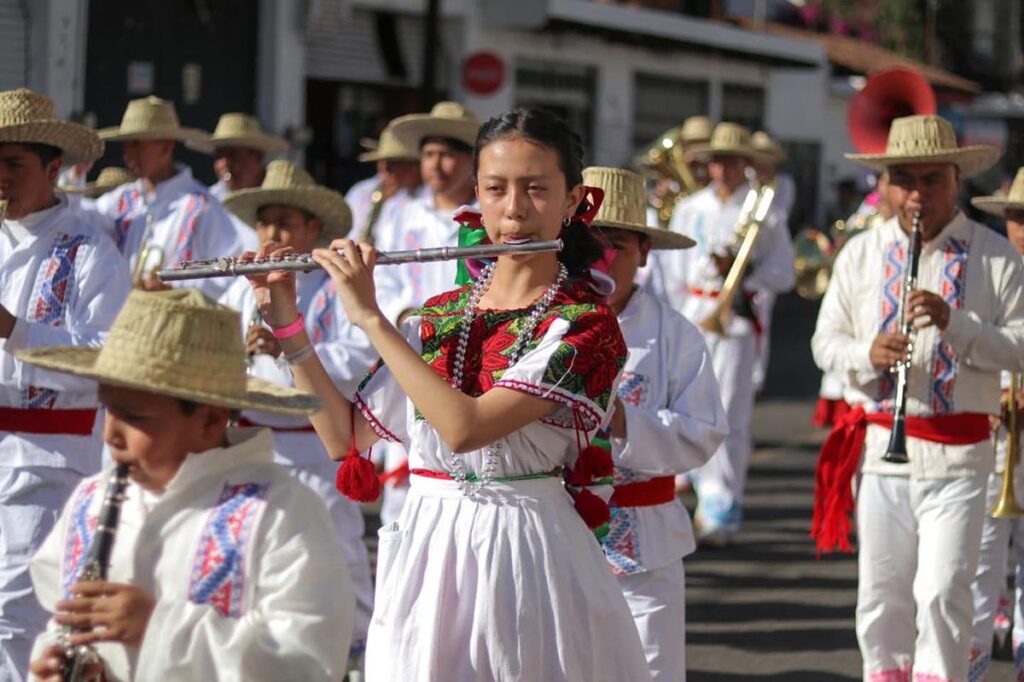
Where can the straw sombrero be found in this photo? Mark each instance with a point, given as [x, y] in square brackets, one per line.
[177, 343]
[625, 206]
[242, 130]
[928, 139]
[727, 138]
[27, 116]
[109, 178]
[696, 129]
[285, 184]
[446, 119]
[769, 150]
[998, 204]
[389, 148]
[152, 118]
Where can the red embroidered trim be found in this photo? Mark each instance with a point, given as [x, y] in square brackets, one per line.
[375, 424]
[570, 400]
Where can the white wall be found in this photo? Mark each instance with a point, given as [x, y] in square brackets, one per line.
[56, 56]
[281, 68]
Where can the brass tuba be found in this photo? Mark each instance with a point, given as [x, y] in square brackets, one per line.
[665, 159]
[1006, 507]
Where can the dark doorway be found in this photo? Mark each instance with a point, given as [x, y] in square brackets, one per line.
[200, 54]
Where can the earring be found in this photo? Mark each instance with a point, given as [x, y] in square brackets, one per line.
[565, 223]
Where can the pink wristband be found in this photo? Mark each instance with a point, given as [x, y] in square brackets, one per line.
[290, 330]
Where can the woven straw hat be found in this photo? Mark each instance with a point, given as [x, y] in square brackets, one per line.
[998, 204]
[177, 343]
[446, 119]
[770, 150]
[625, 206]
[242, 130]
[696, 129]
[389, 148]
[152, 118]
[27, 116]
[109, 178]
[285, 184]
[928, 139]
[727, 138]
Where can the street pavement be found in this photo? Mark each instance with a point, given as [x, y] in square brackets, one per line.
[766, 608]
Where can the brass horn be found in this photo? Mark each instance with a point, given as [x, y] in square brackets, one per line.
[665, 159]
[1006, 507]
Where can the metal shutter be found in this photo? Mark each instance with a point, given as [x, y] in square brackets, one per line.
[13, 44]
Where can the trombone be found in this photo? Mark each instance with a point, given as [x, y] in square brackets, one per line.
[1006, 506]
[755, 209]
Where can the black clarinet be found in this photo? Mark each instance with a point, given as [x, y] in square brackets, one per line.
[78, 658]
[897, 450]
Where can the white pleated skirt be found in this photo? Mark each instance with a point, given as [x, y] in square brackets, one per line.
[506, 585]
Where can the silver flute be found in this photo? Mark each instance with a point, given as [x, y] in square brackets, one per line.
[303, 262]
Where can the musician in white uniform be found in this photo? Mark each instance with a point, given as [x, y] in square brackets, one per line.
[445, 139]
[240, 148]
[668, 419]
[290, 209]
[999, 534]
[396, 182]
[165, 216]
[61, 283]
[691, 281]
[919, 524]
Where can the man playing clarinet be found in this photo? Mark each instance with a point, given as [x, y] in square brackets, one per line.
[918, 520]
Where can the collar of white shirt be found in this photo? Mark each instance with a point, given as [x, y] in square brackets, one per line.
[31, 225]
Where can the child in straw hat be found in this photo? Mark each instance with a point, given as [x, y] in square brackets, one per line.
[240, 147]
[691, 282]
[495, 388]
[63, 283]
[165, 216]
[668, 419]
[223, 566]
[999, 534]
[918, 523]
[290, 209]
[396, 181]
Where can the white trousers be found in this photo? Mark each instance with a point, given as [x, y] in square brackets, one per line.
[721, 481]
[990, 581]
[918, 542]
[657, 600]
[31, 499]
[348, 523]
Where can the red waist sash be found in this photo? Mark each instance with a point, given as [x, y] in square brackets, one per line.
[397, 476]
[53, 422]
[840, 457]
[307, 428]
[645, 493]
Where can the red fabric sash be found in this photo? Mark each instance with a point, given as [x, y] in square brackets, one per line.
[52, 422]
[645, 493]
[828, 412]
[397, 476]
[308, 428]
[840, 457]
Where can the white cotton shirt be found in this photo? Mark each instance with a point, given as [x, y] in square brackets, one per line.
[674, 423]
[271, 602]
[953, 371]
[179, 217]
[65, 282]
[712, 223]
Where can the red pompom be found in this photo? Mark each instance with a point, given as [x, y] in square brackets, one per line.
[357, 478]
[591, 508]
[594, 463]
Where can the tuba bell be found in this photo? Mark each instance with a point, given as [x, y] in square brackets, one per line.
[665, 160]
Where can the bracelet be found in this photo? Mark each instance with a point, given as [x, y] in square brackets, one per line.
[290, 330]
[301, 355]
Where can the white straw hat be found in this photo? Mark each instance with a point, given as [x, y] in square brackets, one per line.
[152, 118]
[696, 129]
[389, 148]
[625, 206]
[242, 130]
[285, 184]
[177, 343]
[727, 138]
[446, 119]
[28, 117]
[109, 178]
[928, 139]
[770, 150]
[998, 204]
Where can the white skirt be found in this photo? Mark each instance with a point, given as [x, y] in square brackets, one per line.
[507, 585]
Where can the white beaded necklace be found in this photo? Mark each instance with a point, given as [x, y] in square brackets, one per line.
[455, 463]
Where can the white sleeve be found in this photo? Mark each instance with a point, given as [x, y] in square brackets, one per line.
[297, 626]
[216, 236]
[683, 434]
[999, 344]
[835, 345]
[103, 283]
[773, 268]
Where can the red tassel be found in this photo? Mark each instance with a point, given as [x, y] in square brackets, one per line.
[591, 508]
[599, 461]
[357, 478]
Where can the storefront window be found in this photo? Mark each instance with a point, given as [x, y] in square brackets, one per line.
[564, 88]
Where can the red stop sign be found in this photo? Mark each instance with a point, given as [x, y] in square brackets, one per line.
[483, 73]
